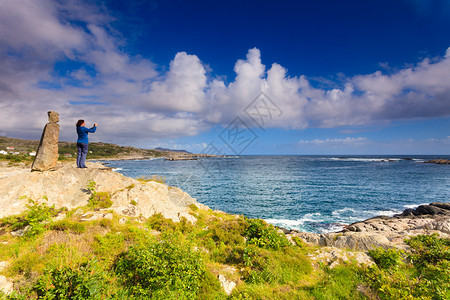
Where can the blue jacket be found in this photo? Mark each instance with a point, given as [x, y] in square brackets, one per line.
[83, 134]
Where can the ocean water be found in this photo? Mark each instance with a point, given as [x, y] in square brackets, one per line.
[310, 193]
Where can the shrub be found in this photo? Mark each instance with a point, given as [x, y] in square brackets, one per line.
[193, 207]
[35, 216]
[229, 232]
[428, 249]
[98, 199]
[386, 259]
[106, 223]
[82, 282]
[69, 225]
[168, 264]
[158, 222]
[264, 235]
[109, 245]
[427, 276]
[299, 242]
[155, 178]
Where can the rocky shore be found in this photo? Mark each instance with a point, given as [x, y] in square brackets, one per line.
[383, 231]
[439, 161]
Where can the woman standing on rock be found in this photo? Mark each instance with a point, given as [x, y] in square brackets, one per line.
[83, 142]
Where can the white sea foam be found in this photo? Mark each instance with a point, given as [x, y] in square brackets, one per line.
[413, 205]
[117, 169]
[331, 228]
[344, 210]
[365, 159]
[311, 217]
[388, 213]
[285, 222]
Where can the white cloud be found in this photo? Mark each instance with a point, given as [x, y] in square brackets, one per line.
[181, 89]
[141, 103]
[347, 140]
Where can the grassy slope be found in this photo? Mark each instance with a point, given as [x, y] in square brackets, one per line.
[216, 241]
[159, 259]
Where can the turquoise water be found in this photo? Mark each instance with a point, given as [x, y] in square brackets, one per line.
[309, 193]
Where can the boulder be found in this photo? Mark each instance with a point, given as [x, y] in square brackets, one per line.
[332, 257]
[439, 161]
[5, 285]
[432, 209]
[361, 241]
[227, 285]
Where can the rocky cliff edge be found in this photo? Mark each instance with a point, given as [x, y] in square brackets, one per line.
[67, 187]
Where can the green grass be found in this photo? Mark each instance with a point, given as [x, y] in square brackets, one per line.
[161, 259]
[97, 150]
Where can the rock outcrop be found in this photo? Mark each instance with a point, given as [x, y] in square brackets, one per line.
[439, 161]
[67, 187]
[333, 257]
[227, 285]
[385, 231]
[47, 153]
[5, 285]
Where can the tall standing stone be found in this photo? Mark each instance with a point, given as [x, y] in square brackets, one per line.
[47, 153]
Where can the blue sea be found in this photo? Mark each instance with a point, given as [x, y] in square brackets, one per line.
[309, 193]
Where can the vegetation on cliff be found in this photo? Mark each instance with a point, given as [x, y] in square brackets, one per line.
[136, 258]
[97, 150]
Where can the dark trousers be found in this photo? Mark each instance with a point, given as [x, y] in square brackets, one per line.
[82, 152]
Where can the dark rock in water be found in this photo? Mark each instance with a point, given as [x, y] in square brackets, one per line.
[439, 161]
[407, 212]
[432, 209]
[181, 158]
[407, 158]
[441, 205]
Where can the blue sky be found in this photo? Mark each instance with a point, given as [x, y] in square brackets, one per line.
[246, 77]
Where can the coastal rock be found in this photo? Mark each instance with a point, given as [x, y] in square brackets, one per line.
[432, 209]
[334, 256]
[67, 187]
[350, 241]
[227, 285]
[384, 231]
[3, 265]
[47, 153]
[439, 161]
[175, 158]
[5, 285]
[20, 232]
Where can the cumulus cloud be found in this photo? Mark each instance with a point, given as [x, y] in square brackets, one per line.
[181, 89]
[133, 101]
